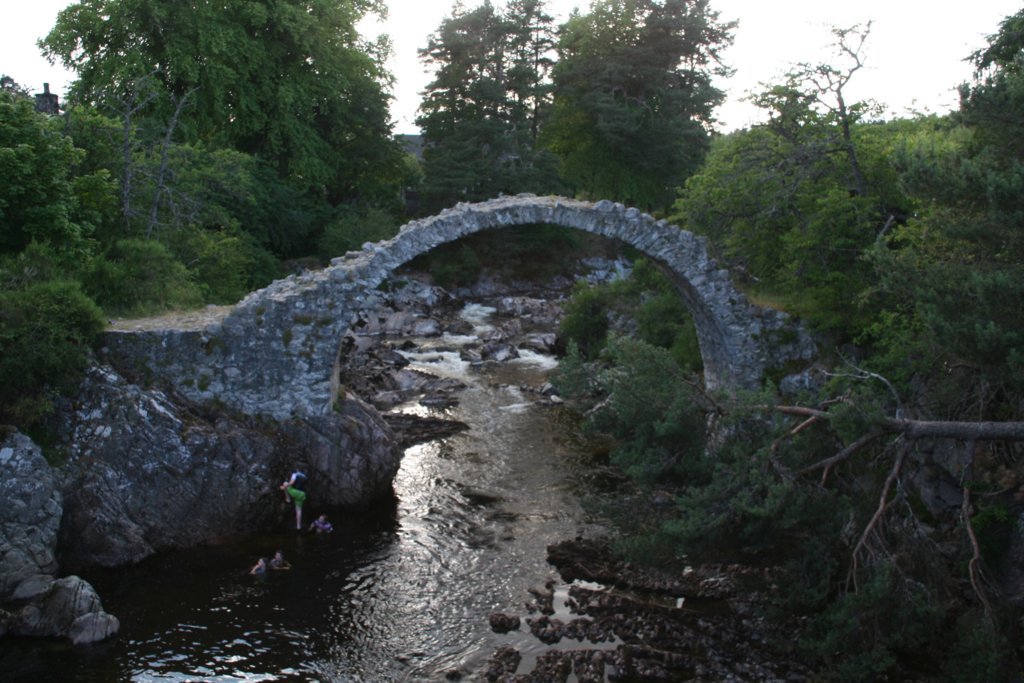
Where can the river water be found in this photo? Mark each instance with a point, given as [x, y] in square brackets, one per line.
[400, 592]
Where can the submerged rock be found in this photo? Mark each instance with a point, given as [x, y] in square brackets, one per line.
[498, 351]
[503, 664]
[503, 623]
[414, 429]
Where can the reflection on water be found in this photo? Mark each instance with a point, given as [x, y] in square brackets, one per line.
[401, 592]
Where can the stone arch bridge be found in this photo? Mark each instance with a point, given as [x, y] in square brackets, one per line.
[275, 353]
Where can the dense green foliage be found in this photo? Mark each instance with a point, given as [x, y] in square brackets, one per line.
[482, 113]
[634, 97]
[37, 196]
[46, 330]
[353, 228]
[136, 277]
[900, 242]
[615, 103]
[204, 148]
[198, 152]
[796, 203]
[518, 253]
[651, 304]
[648, 406]
[287, 82]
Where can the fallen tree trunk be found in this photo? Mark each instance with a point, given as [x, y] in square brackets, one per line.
[932, 429]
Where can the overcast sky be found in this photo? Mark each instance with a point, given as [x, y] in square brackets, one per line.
[914, 57]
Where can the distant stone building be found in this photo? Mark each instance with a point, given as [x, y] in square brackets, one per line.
[46, 101]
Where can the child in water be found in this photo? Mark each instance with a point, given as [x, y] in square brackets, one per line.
[278, 561]
[260, 567]
[321, 525]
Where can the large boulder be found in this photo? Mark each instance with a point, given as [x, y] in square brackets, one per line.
[69, 607]
[352, 453]
[145, 473]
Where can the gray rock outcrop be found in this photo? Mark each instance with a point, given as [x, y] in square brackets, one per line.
[69, 607]
[33, 601]
[147, 472]
[30, 514]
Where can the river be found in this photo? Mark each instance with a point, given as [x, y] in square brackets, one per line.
[399, 592]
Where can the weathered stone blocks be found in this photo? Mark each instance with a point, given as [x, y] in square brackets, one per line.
[257, 359]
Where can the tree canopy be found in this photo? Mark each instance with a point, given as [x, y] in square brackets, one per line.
[37, 199]
[634, 96]
[289, 82]
[483, 111]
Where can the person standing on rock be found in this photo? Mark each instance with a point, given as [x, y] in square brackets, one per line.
[294, 494]
[298, 480]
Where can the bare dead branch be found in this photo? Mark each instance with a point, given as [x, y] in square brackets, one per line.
[883, 504]
[131, 104]
[862, 374]
[966, 431]
[800, 410]
[974, 567]
[165, 147]
[849, 450]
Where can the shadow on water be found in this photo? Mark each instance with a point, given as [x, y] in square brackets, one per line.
[198, 614]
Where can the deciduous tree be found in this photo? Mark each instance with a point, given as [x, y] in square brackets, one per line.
[288, 81]
[795, 203]
[37, 200]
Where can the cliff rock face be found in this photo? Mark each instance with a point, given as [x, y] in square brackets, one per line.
[33, 602]
[30, 514]
[148, 472]
[145, 472]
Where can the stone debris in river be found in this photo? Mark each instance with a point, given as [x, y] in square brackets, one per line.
[499, 351]
[503, 664]
[503, 623]
[544, 599]
[415, 429]
[636, 623]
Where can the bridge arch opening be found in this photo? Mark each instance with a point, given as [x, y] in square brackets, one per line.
[731, 332]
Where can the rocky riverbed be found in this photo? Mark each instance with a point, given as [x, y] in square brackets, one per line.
[617, 621]
[119, 444]
[632, 623]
